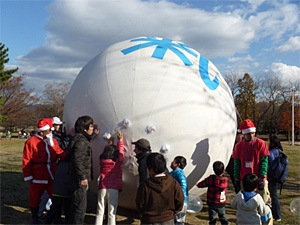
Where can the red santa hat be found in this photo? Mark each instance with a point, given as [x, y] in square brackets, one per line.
[247, 126]
[44, 124]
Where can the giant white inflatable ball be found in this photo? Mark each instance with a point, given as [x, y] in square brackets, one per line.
[161, 90]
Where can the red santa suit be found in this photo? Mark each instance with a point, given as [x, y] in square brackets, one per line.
[39, 164]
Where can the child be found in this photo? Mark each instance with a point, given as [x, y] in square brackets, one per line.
[216, 193]
[250, 206]
[177, 165]
[110, 182]
[160, 196]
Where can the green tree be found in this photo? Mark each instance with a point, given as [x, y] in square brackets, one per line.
[5, 75]
[245, 99]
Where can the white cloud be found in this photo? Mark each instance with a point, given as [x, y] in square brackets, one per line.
[275, 22]
[79, 30]
[241, 59]
[254, 3]
[292, 45]
[286, 72]
[82, 25]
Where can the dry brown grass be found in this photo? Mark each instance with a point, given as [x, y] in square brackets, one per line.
[14, 191]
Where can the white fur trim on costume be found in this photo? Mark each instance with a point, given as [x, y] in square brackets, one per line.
[37, 135]
[40, 181]
[49, 159]
[248, 130]
[50, 139]
[47, 127]
[28, 178]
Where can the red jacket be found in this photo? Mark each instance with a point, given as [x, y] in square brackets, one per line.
[250, 151]
[39, 159]
[111, 171]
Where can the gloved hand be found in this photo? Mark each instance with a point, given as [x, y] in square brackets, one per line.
[261, 183]
[237, 184]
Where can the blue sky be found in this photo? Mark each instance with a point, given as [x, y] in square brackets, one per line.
[52, 40]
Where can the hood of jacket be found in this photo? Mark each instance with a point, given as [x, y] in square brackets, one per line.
[160, 184]
[249, 205]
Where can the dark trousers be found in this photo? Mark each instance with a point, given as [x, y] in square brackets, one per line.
[78, 205]
[273, 186]
[170, 222]
[212, 213]
[54, 215]
[230, 171]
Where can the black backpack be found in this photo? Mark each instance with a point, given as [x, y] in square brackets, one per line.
[279, 170]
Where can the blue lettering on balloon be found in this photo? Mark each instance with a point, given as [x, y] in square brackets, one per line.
[161, 48]
[162, 45]
[203, 70]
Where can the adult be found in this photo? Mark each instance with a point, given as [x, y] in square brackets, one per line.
[230, 166]
[63, 141]
[142, 150]
[275, 147]
[251, 156]
[58, 134]
[40, 154]
[81, 159]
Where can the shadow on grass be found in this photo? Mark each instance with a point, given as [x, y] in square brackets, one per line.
[128, 216]
[291, 186]
[14, 199]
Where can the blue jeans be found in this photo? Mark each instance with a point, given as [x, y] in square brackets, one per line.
[273, 186]
[212, 213]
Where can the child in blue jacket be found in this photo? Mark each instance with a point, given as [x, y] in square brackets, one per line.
[177, 166]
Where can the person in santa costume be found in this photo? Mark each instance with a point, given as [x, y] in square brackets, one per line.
[251, 156]
[40, 154]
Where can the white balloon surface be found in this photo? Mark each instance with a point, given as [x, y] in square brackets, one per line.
[161, 90]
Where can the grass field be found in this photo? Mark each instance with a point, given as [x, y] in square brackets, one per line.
[14, 191]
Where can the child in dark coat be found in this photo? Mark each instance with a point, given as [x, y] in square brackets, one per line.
[160, 196]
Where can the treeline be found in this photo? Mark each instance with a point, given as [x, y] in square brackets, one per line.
[267, 100]
[264, 98]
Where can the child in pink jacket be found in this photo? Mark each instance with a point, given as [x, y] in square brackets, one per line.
[110, 183]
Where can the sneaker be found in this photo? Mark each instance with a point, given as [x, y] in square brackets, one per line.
[278, 220]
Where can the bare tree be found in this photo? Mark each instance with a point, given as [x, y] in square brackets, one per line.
[18, 103]
[232, 79]
[272, 92]
[53, 99]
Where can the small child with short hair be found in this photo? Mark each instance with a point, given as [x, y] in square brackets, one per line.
[177, 165]
[159, 197]
[216, 193]
[250, 206]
